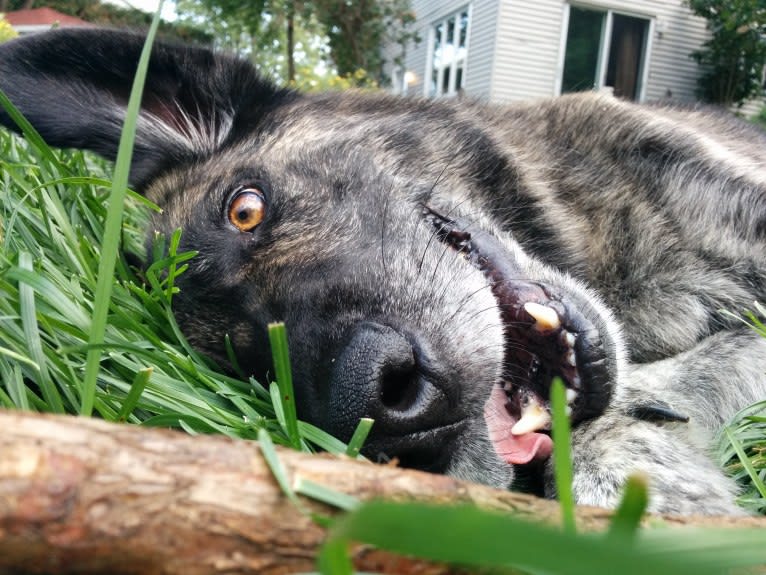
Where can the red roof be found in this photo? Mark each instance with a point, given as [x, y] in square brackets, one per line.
[42, 17]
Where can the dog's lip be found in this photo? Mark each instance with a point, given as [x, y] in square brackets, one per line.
[546, 334]
[435, 440]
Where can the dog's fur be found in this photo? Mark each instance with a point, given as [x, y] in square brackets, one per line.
[588, 203]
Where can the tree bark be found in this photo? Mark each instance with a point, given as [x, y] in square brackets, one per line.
[85, 496]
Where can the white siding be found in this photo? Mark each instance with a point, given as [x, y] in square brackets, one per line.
[481, 42]
[515, 46]
[672, 72]
[528, 62]
[527, 52]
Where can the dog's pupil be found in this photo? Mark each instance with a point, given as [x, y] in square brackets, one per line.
[243, 215]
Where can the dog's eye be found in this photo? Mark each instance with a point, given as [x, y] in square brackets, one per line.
[247, 209]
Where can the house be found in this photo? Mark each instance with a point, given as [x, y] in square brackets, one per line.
[503, 50]
[40, 19]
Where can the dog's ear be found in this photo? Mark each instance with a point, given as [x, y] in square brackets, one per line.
[73, 86]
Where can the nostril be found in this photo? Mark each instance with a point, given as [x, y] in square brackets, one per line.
[383, 373]
[399, 387]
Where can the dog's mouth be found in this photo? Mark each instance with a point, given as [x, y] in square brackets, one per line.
[546, 336]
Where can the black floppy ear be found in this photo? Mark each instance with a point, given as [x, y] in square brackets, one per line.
[73, 86]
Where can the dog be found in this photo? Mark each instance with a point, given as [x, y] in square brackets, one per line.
[438, 262]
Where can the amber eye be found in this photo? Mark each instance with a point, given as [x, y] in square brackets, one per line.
[247, 209]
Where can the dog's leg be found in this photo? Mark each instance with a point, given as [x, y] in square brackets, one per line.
[644, 429]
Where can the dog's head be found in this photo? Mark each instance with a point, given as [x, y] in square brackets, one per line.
[378, 229]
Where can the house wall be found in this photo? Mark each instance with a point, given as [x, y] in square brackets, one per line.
[515, 47]
[481, 43]
[530, 50]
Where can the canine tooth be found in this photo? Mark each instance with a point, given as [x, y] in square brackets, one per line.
[533, 417]
[571, 395]
[545, 318]
[568, 338]
[568, 410]
[570, 358]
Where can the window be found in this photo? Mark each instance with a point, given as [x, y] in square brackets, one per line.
[605, 49]
[449, 48]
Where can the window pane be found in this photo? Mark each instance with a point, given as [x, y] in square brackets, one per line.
[449, 52]
[463, 29]
[445, 81]
[626, 55]
[582, 50]
[438, 45]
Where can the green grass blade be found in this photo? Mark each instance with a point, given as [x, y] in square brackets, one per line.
[281, 358]
[469, 536]
[18, 357]
[136, 389]
[627, 518]
[325, 494]
[360, 436]
[562, 454]
[746, 462]
[321, 439]
[111, 240]
[32, 334]
[275, 465]
[333, 558]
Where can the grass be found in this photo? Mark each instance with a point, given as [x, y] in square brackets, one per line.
[56, 210]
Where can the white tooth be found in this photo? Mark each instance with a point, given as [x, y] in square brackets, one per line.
[568, 410]
[507, 386]
[571, 395]
[546, 319]
[533, 418]
[568, 338]
[570, 358]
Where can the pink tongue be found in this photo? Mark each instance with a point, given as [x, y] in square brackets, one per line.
[514, 449]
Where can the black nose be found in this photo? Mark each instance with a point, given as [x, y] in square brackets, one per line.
[385, 374]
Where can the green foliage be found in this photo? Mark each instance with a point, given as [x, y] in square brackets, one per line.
[358, 30]
[733, 59]
[6, 30]
[743, 442]
[312, 44]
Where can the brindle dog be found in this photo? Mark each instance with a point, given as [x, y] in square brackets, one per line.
[438, 263]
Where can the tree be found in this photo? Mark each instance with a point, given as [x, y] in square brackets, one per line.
[263, 30]
[734, 58]
[288, 38]
[357, 32]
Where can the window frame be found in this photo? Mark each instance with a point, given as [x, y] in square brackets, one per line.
[605, 46]
[452, 91]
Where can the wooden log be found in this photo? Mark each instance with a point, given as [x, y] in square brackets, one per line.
[85, 496]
